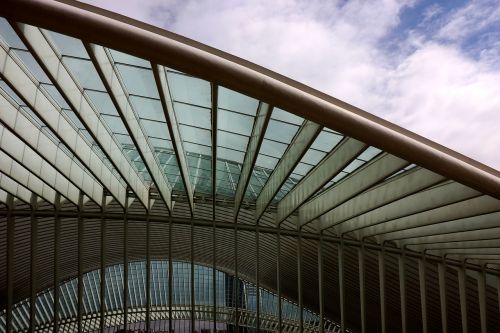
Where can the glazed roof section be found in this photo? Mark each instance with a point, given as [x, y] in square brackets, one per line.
[123, 95]
[80, 118]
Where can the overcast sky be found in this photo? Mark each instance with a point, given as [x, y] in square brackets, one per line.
[432, 67]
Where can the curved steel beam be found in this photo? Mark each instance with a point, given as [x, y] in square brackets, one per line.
[127, 35]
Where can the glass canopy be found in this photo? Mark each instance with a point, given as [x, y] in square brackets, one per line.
[139, 114]
[236, 167]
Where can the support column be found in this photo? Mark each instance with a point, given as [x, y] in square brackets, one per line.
[102, 291]
[481, 287]
[498, 292]
[299, 282]
[170, 275]
[402, 290]
[57, 243]
[10, 262]
[148, 266]
[381, 276]
[80, 263]
[462, 289]
[236, 280]
[257, 274]
[341, 285]
[214, 270]
[33, 259]
[278, 280]
[320, 284]
[442, 295]
[191, 250]
[423, 292]
[362, 295]
[125, 263]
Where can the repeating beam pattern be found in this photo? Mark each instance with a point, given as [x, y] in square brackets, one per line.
[50, 158]
[37, 99]
[173, 127]
[327, 169]
[259, 129]
[378, 241]
[303, 139]
[106, 68]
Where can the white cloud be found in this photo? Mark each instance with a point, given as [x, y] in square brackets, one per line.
[470, 19]
[430, 87]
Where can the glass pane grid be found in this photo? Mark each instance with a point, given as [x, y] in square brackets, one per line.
[367, 155]
[326, 141]
[76, 58]
[282, 128]
[35, 120]
[191, 101]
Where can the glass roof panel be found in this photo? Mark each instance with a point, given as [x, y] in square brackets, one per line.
[125, 58]
[138, 80]
[140, 84]
[313, 156]
[234, 101]
[272, 148]
[192, 101]
[228, 174]
[192, 115]
[84, 71]
[235, 119]
[36, 71]
[280, 131]
[232, 141]
[148, 108]
[367, 155]
[326, 140]
[77, 60]
[324, 143]
[34, 68]
[68, 45]
[230, 154]
[102, 102]
[9, 35]
[33, 117]
[190, 90]
[115, 125]
[234, 122]
[302, 169]
[266, 162]
[161, 143]
[195, 135]
[10, 92]
[156, 129]
[279, 114]
[197, 149]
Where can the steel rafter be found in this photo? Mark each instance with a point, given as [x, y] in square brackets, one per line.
[258, 131]
[106, 69]
[39, 101]
[297, 148]
[370, 174]
[330, 166]
[173, 127]
[41, 152]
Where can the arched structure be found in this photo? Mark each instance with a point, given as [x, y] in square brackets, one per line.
[122, 143]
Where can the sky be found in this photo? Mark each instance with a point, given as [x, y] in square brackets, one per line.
[432, 67]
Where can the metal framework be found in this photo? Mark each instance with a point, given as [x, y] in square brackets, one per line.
[147, 180]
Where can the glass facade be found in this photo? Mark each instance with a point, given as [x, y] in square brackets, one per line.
[180, 308]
